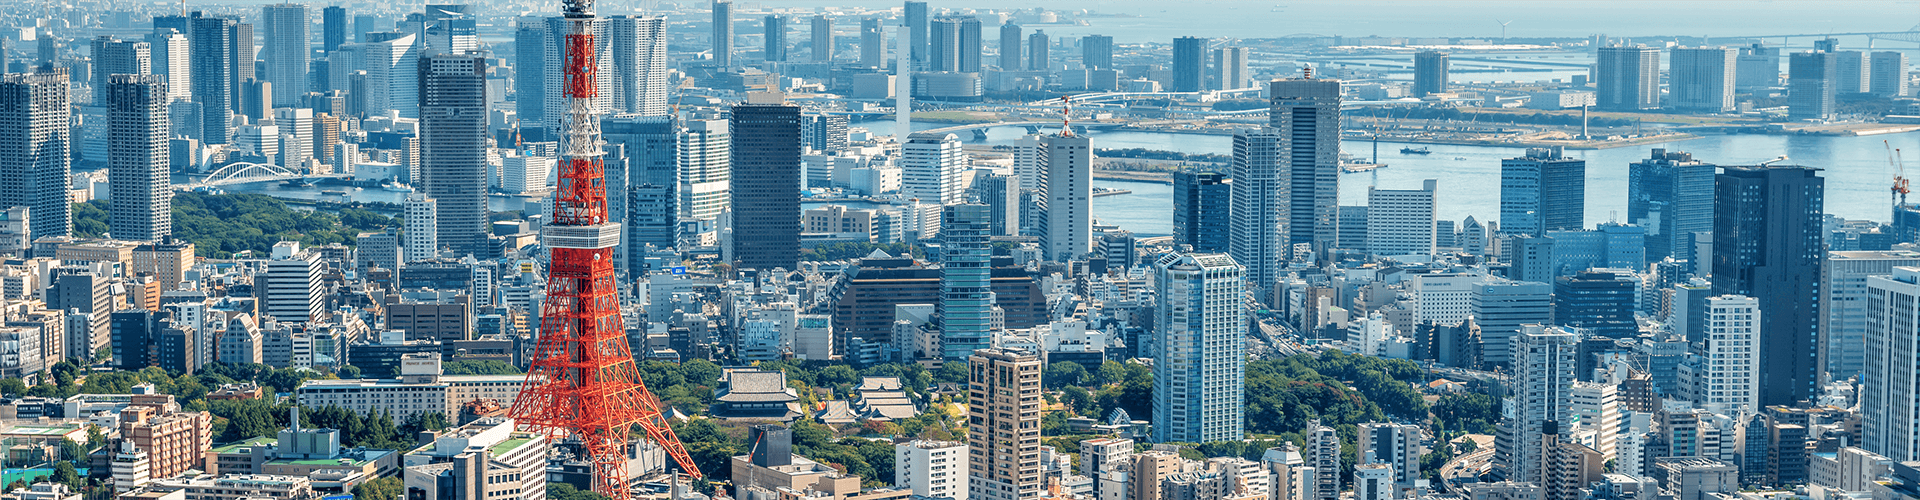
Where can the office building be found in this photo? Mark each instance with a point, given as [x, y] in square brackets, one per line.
[137, 170]
[1501, 308]
[333, 28]
[392, 82]
[1202, 210]
[1542, 191]
[638, 46]
[1003, 425]
[1702, 79]
[1096, 51]
[1670, 195]
[954, 44]
[215, 73]
[1261, 205]
[256, 101]
[35, 159]
[112, 56]
[1843, 307]
[722, 46]
[422, 214]
[484, 459]
[453, 143]
[766, 201]
[822, 34]
[1189, 65]
[1600, 302]
[1887, 75]
[775, 37]
[1767, 245]
[966, 280]
[1430, 73]
[706, 169]
[931, 168]
[1200, 371]
[285, 50]
[1891, 360]
[1811, 85]
[1850, 72]
[917, 23]
[1401, 221]
[1543, 374]
[1039, 51]
[1305, 115]
[1001, 194]
[1628, 78]
[167, 49]
[1397, 445]
[649, 149]
[291, 291]
[931, 469]
[1069, 186]
[1230, 68]
[1010, 40]
[873, 43]
[1757, 66]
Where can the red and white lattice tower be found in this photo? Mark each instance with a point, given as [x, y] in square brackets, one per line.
[583, 382]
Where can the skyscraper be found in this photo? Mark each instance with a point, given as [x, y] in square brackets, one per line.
[290, 289]
[966, 280]
[1430, 72]
[706, 169]
[1671, 195]
[873, 43]
[1001, 194]
[1323, 458]
[1767, 244]
[1850, 70]
[214, 87]
[1500, 308]
[1543, 375]
[167, 48]
[1010, 40]
[453, 144]
[1887, 77]
[113, 56]
[1305, 115]
[1702, 79]
[638, 46]
[954, 44]
[1069, 181]
[423, 227]
[333, 28]
[1757, 66]
[649, 148]
[392, 63]
[1199, 374]
[1843, 306]
[822, 33]
[35, 131]
[1189, 64]
[1039, 51]
[1723, 367]
[1599, 302]
[917, 22]
[1401, 221]
[142, 202]
[766, 200]
[1230, 68]
[1096, 51]
[1261, 211]
[722, 34]
[1394, 444]
[1202, 210]
[530, 39]
[1542, 191]
[1811, 85]
[931, 166]
[286, 50]
[1004, 394]
[1628, 78]
[1887, 395]
[775, 38]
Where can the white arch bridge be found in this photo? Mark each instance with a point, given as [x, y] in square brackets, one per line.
[244, 172]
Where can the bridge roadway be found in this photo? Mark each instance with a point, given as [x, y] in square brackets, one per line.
[244, 172]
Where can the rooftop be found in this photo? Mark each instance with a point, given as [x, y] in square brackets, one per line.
[258, 441]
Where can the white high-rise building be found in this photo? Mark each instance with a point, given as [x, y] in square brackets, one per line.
[1199, 374]
[1030, 164]
[526, 175]
[1401, 221]
[1543, 366]
[393, 76]
[1322, 456]
[284, 27]
[137, 171]
[258, 140]
[1596, 417]
[168, 49]
[1722, 373]
[1373, 481]
[706, 169]
[1069, 187]
[1843, 307]
[293, 291]
[639, 49]
[296, 136]
[933, 469]
[1887, 76]
[1443, 298]
[423, 227]
[1702, 79]
[345, 156]
[931, 167]
[1397, 445]
[1259, 219]
[1891, 404]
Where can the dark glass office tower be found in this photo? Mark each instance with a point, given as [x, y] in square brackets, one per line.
[1202, 202]
[766, 186]
[333, 27]
[1767, 245]
[453, 148]
[917, 24]
[1189, 64]
[1671, 195]
[776, 38]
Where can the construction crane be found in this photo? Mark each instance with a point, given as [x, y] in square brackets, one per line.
[583, 384]
[1899, 190]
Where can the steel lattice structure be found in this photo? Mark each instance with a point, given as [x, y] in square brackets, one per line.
[584, 383]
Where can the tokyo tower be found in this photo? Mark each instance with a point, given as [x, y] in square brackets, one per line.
[584, 383]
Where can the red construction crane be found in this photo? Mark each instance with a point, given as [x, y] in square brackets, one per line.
[1899, 190]
[583, 383]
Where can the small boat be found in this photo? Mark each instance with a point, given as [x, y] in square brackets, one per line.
[1460, 158]
[1411, 151]
[331, 192]
[398, 187]
[297, 182]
